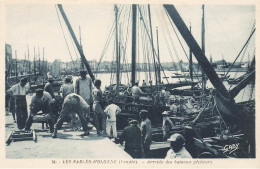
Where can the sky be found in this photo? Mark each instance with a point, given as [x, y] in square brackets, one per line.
[37, 25]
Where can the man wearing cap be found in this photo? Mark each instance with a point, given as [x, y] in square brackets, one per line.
[48, 87]
[177, 143]
[112, 110]
[174, 109]
[136, 91]
[167, 124]
[18, 92]
[41, 101]
[83, 86]
[146, 132]
[74, 103]
[132, 137]
[67, 87]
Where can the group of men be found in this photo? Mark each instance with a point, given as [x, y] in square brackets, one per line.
[138, 139]
[80, 100]
[76, 100]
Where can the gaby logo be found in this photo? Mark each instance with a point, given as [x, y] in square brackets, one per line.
[231, 148]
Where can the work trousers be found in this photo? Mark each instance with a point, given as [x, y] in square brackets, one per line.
[67, 109]
[146, 146]
[12, 107]
[111, 124]
[21, 111]
[166, 132]
[99, 118]
[45, 108]
[135, 153]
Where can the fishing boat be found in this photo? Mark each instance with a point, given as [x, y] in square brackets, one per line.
[118, 94]
[235, 122]
[220, 121]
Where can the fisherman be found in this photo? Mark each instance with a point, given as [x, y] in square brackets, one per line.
[146, 132]
[7, 97]
[136, 91]
[132, 137]
[162, 96]
[128, 91]
[74, 103]
[18, 93]
[167, 125]
[167, 96]
[83, 86]
[174, 109]
[41, 101]
[49, 86]
[178, 150]
[112, 110]
[67, 87]
[144, 83]
[99, 114]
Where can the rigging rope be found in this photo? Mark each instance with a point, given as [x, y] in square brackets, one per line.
[108, 40]
[151, 42]
[240, 52]
[64, 35]
[196, 74]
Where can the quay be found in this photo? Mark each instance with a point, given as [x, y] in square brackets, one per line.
[68, 144]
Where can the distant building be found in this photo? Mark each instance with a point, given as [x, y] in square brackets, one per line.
[8, 56]
[56, 68]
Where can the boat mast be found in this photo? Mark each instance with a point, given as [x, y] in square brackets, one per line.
[223, 64]
[43, 65]
[133, 43]
[81, 61]
[24, 64]
[34, 66]
[117, 52]
[203, 51]
[151, 32]
[29, 62]
[16, 73]
[190, 65]
[39, 69]
[159, 71]
[199, 55]
[76, 42]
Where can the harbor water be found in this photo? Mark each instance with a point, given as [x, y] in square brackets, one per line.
[110, 78]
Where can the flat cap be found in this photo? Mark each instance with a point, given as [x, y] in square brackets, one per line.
[39, 90]
[177, 137]
[133, 122]
[165, 113]
[24, 79]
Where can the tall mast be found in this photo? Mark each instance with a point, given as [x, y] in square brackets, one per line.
[34, 66]
[196, 50]
[190, 65]
[81, 61]
[29, 62]
[133, 43]
[43, 63]
[76, 42]
[223, 64]
[151, 32]
[203, 49]
[16, 73]
[117, 53]
[39, 69]
[159, 71]
[25, 64]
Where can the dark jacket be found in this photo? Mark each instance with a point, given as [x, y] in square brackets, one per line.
[48, 88]
[132, 137]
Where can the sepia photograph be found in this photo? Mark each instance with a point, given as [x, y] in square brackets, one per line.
[129, 81]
